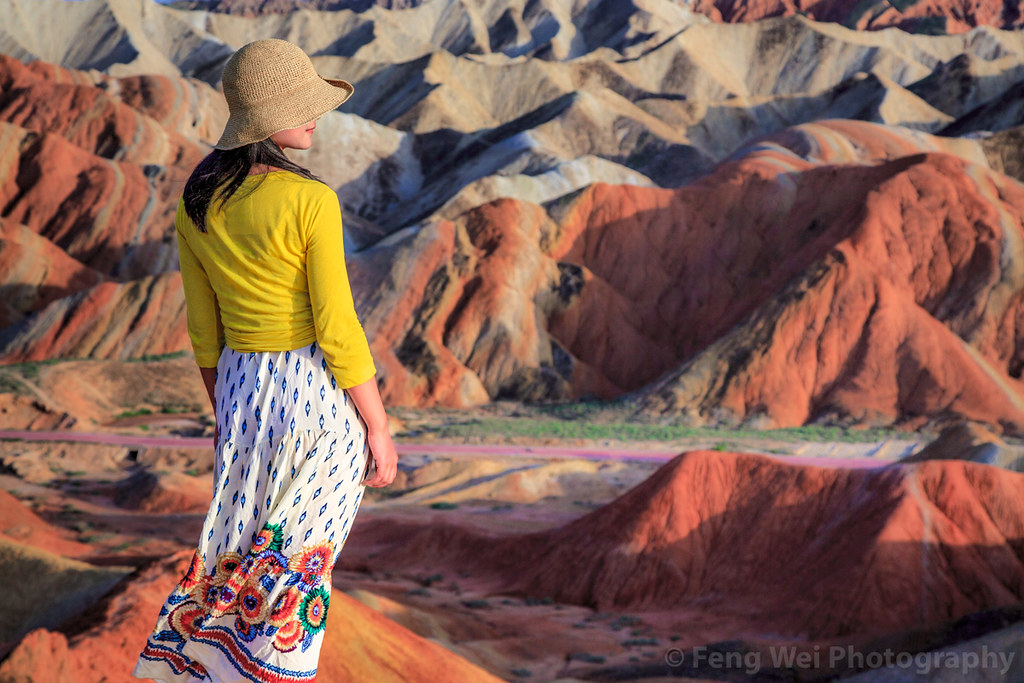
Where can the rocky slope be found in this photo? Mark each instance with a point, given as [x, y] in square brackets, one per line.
[936, 16]
[753, 294]
[800, 552]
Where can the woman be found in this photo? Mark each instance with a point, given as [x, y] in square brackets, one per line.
[300, 424]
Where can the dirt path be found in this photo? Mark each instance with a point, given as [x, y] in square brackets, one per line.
[653, 454]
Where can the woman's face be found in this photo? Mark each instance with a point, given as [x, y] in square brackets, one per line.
[295, 138]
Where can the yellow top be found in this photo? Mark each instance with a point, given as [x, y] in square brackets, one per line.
[269, 275]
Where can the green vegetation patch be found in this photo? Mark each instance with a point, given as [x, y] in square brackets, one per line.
[579, 428]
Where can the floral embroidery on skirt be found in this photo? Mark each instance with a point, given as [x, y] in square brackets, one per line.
[288, 481]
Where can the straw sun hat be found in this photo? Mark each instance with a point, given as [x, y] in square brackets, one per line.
[271, 85]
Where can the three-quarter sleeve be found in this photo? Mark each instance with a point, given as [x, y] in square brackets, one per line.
[338, 331]
[204, 324]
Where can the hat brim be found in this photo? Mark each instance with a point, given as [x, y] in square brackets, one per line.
[291, 110]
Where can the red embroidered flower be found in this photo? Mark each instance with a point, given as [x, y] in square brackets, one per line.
[288, 636]
[252, 603]
[187, 618]
[270, 564]
[225, 603]
[196, 570]
[227, 563]
[285, 607]
[205, 592]
[313, 562]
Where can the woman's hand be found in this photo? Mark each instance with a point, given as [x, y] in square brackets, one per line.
[382, 450]
[366, 396]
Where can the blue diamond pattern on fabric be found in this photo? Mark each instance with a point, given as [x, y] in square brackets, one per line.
[255, 469]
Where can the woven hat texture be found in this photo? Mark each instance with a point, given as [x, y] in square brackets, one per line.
[271, 85]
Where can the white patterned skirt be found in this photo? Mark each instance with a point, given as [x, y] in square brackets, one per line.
[288, 478]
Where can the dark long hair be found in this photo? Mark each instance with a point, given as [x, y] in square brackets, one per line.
[222, 172]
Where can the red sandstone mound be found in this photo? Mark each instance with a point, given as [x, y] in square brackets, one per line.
[87, 258]
[35, 272]
[23, 526]
[139, 119]
[163, 492]
[104, 641]
[796, 551]
[942, 16]
[110, 320]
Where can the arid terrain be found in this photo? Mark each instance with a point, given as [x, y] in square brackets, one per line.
[701, 328]
[525, 548]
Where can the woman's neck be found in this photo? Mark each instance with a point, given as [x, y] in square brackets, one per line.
[258, 169]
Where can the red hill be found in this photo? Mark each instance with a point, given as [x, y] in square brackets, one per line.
[797, 551]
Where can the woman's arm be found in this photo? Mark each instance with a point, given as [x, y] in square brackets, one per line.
[210, 380]
[367, 399]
